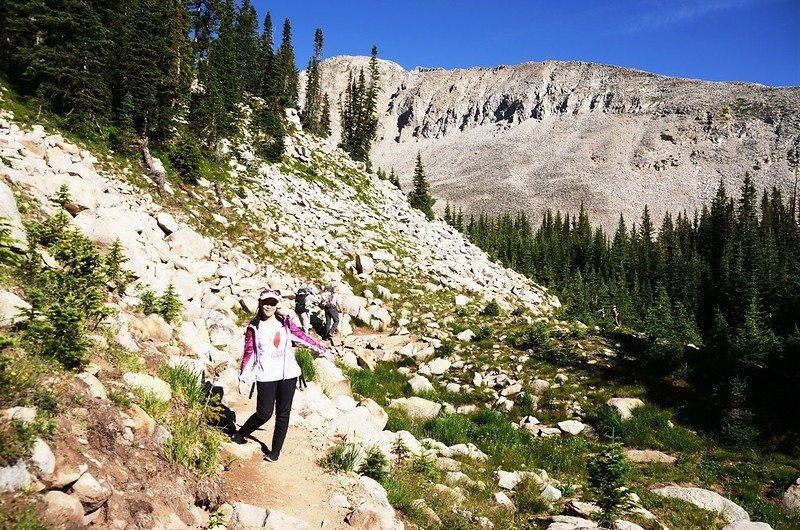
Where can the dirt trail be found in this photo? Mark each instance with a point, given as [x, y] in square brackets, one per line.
[296, 484]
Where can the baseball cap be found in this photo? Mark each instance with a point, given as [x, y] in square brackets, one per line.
[268, 294]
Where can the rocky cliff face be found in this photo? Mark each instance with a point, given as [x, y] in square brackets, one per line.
[555, 134]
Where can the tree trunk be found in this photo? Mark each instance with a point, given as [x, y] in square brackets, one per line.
[155, 171]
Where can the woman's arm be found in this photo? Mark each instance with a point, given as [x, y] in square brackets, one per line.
[249, 348]
[299, 337]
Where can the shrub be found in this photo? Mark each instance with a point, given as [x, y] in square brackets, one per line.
[117, 277]
[64, 300]
[424, 465]
[168, 306]
[484, 333]
[491, 309]
[375, 465]
[185, 157]
[341, 458]
[608, 472]
[534, 337]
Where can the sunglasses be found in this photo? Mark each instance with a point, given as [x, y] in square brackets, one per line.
[270, 302]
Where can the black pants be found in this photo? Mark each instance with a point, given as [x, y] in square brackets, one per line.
[331, 321]
[277, 395]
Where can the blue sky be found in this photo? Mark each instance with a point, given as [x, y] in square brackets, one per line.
[716, 40]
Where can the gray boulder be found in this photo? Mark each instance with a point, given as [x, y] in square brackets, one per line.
[707, 500]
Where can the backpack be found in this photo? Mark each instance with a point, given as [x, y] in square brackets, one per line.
[300, 300]
[326, 300]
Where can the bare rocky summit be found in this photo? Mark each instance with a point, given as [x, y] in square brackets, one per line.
[554, 134]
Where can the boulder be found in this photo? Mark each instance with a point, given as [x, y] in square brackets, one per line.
[747, 525]
[439, 366]
[189, 244]
[11, 306]
[378, 416]
[95, 387]
[706, 500]
[364, 264]
[42, 458]
[148, 384]
[90, 492]
[277, 520]
[247, 516]
[331, 378]
[791, 497]
[166, 223]
[625, 406]
[461, 300]
[466, 335]
[59, 507]
[420, 384]
[14, 478]
[649, 455]
[539, 386]
[502, 500]
[416, 407]
[9, 211]
[573, 427]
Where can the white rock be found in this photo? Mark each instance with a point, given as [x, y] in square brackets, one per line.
[14, 478]
[625, 406]
[416, 407]
[148, 384]
[277, 520]
[420, 384]
[571, 426]
[461, 300]
[96, 388]
[503, 500]
[247, 516]
[42, 457]
[747, 525]
[166, 223]
[90, 492]
[439, 366]
[11, 307]
[58, 506]
[550, 493]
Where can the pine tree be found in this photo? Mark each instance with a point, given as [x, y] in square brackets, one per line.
[394, 178]
[420, 197]
[325, 119]
[311, 117]
[284, 91]
[267, 58]
[359, 116]
[60, 51]
[249, 48]
[157, 67]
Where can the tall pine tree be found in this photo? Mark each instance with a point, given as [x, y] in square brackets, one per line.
[420, 197]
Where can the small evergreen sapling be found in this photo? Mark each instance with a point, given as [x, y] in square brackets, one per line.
[608, 472]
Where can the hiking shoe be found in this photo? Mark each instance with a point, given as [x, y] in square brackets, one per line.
[271, 457]
[238, 438]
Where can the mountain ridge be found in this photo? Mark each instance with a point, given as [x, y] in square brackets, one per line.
[554, 134]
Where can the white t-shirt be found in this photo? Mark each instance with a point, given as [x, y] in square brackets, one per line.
[272, 344]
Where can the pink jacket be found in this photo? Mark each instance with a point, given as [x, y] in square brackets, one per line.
[250, 359]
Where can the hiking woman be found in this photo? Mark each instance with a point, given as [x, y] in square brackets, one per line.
[269, 362]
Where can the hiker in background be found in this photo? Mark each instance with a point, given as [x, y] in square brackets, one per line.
[332, 304]
[269, 363]
[615, 312]
[304, 301]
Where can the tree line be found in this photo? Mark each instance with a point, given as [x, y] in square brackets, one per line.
[182, 74]
[726, 279]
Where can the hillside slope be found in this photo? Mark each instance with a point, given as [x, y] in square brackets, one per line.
[555, 134]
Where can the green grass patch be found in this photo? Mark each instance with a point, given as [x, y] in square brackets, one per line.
[649, 427]
[306, 361]
[193, 446]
